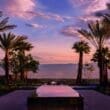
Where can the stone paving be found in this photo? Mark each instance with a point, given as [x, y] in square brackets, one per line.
[17, 100]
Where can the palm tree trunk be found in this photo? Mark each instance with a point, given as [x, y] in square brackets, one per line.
[6, 67]
[22, 75]
[21, 61]
[105, 74]
[21, 71]
[102, 70]
[16, 77]
[80, 66]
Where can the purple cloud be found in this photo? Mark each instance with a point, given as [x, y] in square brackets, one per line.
[29, 9]
[70, 31]
[49, 16]
[35, 25]
[89, 7]
[18, 7]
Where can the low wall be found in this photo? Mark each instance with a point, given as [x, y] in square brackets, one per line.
[55, 103]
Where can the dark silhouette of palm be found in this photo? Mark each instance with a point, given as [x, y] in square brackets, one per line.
[98, 33]
[81, 48]
[29, 64]
[106, 58]
[8, 42]
[21, 48]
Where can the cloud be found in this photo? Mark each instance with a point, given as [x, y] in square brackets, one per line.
[96, 5]
[29, 9]
[38, 14]
[48, 16]
[72, 31]
[35, 25]
[89, 7]
[69, 31]
[86, 19]
[77, 3]
[68, 17]
[88, 10]
[102, 12]
[56, 17]
[18, 8]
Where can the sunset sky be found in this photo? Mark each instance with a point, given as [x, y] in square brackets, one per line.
[51, 25]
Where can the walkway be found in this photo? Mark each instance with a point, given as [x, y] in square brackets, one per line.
[94, 100]
[17, 100]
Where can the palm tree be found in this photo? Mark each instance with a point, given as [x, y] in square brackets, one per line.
[14, 65]
[29, 64]
[81, 48]
[106, 59]
[21, 48]
[8, 42]
[98, 33]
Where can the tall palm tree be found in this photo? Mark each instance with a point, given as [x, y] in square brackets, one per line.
[81, 48]
[14, 64]
[21, 48]
[98, 33]
[106, 58]
[8, 42]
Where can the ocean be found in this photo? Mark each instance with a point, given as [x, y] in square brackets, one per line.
[66, 71]
[63, 71]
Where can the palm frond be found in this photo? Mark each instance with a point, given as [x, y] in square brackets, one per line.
[97, 33]
[81, 46]
[4, 26]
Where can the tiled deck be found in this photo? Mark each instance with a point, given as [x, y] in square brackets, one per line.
[17, 100]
